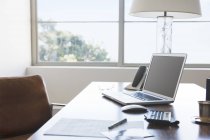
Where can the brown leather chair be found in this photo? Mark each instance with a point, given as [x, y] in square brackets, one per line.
[24, 106]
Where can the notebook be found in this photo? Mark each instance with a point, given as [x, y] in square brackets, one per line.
[160, 85]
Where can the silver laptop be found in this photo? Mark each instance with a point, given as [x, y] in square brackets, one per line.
[160, 85]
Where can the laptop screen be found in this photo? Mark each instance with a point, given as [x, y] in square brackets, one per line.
[164, 74]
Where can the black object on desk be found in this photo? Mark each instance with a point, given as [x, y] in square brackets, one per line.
[160, 117]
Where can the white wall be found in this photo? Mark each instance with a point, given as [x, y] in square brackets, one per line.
[15, 38]
[64, 83]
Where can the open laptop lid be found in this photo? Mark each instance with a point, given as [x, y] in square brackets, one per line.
[164, 75]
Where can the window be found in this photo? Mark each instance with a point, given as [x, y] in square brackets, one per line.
[101, 33]
[77, 31]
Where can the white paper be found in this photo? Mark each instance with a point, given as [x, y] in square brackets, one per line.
[128, 134]
[79, 127]
[87, 128]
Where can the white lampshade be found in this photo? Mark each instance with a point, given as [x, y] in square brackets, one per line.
[174, 8]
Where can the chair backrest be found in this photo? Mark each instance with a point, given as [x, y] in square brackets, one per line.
[24, 105]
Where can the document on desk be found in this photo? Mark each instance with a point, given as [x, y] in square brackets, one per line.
[128, 134]
[86, 128]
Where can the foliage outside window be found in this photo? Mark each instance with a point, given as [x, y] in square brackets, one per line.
[63, 46]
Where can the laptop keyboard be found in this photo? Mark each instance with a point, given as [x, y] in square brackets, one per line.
[142, 96]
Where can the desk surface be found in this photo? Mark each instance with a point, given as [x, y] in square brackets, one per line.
[90, 104]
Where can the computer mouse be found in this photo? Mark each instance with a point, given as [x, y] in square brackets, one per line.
[134, 108]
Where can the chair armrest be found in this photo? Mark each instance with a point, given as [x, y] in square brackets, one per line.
[56, 107]
[58, 104]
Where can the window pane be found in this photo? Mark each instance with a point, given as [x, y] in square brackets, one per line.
[78, 10]
[77, 30]
[140, 42]
[193, 39]
[78, 42]
[188, 37]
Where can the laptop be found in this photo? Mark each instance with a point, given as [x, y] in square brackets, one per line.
[160, 85]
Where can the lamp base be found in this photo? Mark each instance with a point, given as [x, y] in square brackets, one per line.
[164, 34]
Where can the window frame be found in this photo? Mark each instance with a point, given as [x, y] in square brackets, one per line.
[119, 63]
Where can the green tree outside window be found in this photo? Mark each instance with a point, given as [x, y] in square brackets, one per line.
[63, 46]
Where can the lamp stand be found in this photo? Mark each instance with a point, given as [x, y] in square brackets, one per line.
[164, 34]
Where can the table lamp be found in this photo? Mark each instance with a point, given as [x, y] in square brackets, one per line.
[165, 11]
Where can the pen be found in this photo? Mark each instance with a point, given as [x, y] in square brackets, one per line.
[117, 124]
